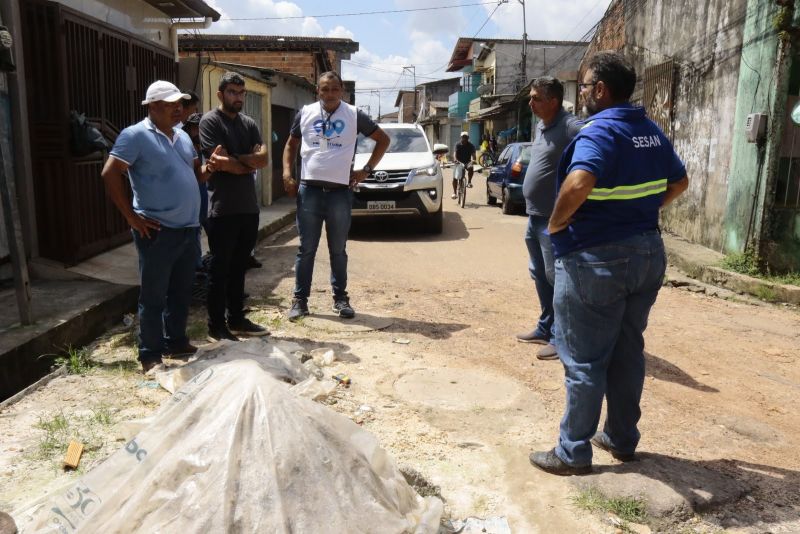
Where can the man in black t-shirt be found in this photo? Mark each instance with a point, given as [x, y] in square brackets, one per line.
[232, 143]
[465, 153]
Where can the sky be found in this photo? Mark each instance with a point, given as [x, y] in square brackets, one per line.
[405, 37]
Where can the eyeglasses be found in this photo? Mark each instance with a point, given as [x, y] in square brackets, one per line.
[582, 86]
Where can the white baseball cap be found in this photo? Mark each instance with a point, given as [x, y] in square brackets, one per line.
[463, 134]
[166, 91]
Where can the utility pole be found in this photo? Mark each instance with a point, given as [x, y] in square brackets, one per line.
[373, 92]
[524, 68]
[414, 73]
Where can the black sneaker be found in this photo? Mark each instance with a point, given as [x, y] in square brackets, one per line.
[253, 263]
[219, 333]
[246, 327]
[602, 441]
[342, 308]
[548, 461]
[299, 309]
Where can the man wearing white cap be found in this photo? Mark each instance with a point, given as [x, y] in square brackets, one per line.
[163, 170]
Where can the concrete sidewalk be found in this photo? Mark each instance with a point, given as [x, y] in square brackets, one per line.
[82, 303]
[120, 265]
[704, 264]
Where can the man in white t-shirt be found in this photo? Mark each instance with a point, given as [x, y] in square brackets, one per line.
[326, 133]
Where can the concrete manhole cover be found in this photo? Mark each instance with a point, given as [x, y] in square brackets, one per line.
[360, 323]
[457, 389]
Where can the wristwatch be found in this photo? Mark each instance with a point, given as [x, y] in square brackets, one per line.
[367, 168]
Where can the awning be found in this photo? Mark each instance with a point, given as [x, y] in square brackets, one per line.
[491, 111]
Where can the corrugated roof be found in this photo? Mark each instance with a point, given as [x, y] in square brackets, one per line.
[211, 42]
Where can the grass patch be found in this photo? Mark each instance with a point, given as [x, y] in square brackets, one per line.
[742, 262]
[626, 508]
[57, 429]
[77, 361]
[766, 293]
[125, 339]
[746, 263]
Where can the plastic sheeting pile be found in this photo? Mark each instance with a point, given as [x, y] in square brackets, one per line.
[235, 450]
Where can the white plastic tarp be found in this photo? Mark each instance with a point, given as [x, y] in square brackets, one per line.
[234, 450]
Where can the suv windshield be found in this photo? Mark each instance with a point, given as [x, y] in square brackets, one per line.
[400, 140]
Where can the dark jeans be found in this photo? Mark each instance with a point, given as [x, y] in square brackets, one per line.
[542, 268]
[166, 271]
[603, 297]
[316, 205]
[230, 238]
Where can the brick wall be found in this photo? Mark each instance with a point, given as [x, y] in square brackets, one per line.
[610, 35]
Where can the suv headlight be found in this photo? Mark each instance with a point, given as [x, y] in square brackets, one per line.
[427, 171]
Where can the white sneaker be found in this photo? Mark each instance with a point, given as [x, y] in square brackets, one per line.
[453, 196]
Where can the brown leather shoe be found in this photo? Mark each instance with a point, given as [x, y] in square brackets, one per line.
[548, 352]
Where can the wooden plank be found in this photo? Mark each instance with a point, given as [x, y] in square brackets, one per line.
[74, 452]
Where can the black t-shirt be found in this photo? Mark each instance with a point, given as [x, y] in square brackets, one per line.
[464, 152]
[230, 194]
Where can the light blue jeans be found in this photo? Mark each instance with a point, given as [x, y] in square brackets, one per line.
[316, 205]
[542, 269]
[603, 297]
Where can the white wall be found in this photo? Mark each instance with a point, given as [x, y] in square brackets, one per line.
[133, 16]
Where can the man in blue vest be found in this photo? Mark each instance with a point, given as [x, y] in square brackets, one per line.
[613, 179]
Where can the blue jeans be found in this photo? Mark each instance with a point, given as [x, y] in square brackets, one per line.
[166, 270]
[316, 205]
[603, 297]
[542, 269]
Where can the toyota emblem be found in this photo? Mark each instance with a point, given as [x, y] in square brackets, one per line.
[381, 176]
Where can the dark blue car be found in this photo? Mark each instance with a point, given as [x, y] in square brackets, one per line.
[504, 182]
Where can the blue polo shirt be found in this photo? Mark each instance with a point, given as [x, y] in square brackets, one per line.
[161, 172]
[633, 162]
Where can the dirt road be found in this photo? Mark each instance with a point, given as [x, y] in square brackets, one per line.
[439, 378]
[464, 403]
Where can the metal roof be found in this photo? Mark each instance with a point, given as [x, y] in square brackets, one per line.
[185, 9]
[214, 42]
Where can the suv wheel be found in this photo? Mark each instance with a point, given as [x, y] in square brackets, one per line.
[489, 198]
[434, 222]
[508, 208]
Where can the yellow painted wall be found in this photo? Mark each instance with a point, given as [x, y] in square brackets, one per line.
[210, 81]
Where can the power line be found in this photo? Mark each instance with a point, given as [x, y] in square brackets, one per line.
[356, 14]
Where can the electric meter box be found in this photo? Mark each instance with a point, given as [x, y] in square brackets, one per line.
[755, 127]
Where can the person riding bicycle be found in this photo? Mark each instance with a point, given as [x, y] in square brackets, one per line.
[465, 153]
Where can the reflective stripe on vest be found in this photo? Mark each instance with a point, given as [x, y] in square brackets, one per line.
[628, 192]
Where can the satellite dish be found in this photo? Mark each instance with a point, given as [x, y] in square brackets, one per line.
[796, 113]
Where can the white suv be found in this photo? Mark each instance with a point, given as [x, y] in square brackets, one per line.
[407, 181]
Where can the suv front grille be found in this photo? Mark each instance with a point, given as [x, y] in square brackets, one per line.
[395, 177]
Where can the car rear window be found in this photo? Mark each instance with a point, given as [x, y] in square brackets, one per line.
[525, 155]
[400, 140]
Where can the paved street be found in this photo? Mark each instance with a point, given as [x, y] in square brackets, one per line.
[452, 395]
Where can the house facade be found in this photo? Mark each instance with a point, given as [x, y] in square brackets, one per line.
[97, 59]
[706, 70]
[494, 75]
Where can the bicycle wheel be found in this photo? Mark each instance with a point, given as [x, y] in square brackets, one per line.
[486, 160]
[462, 192]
